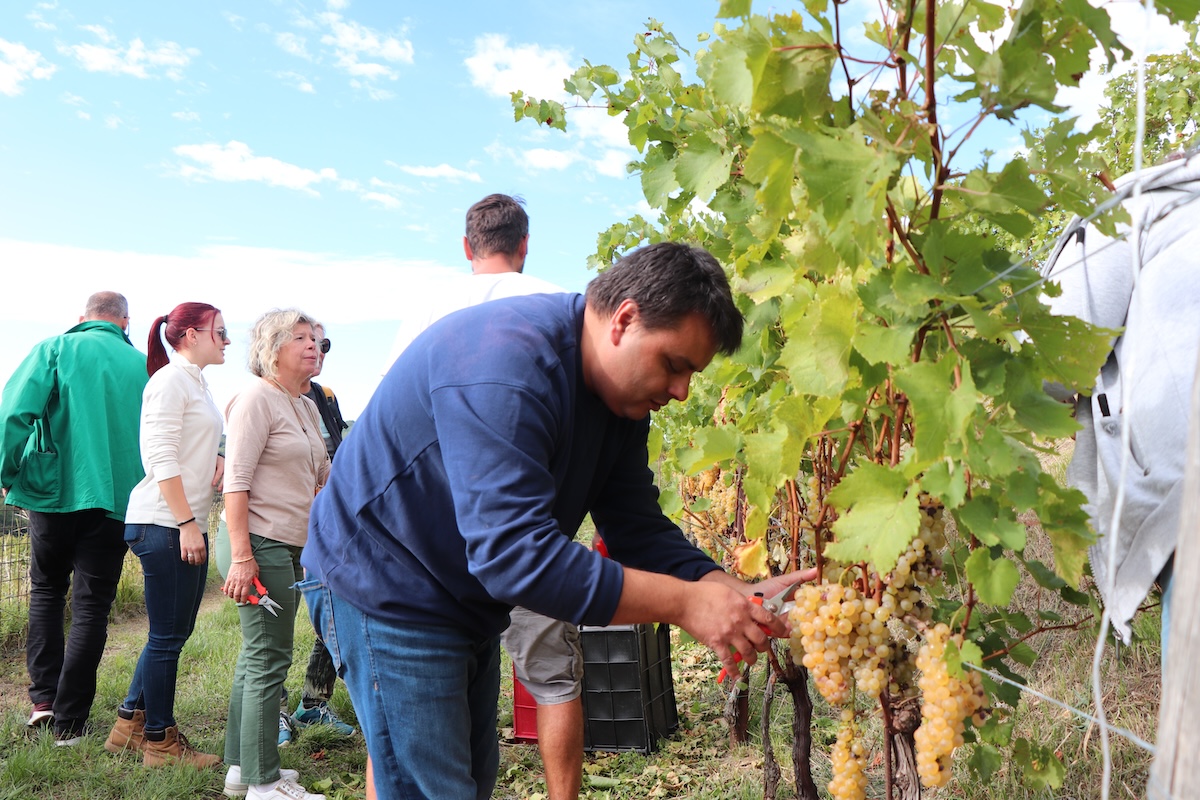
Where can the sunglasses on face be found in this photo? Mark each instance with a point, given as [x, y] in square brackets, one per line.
[222, 332]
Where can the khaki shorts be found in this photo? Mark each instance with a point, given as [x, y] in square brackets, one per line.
[547, 656]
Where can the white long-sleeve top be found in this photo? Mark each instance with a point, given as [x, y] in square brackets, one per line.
[180, 435]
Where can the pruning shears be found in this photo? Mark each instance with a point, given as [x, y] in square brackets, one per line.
[262, 600]
[776, 604]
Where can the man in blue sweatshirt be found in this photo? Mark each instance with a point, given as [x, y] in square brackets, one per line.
[486, 444]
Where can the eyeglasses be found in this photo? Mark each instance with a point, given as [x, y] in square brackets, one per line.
[324, 344]
[222, 332]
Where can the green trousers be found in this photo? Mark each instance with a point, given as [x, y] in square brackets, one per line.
[252, 729]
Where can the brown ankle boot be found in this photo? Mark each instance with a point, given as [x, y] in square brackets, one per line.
[127, 734]
[175, 747]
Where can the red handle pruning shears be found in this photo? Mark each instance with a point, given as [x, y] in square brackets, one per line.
[262, 600]
[776, 604]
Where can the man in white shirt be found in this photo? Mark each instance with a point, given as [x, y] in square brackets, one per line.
[546, 653]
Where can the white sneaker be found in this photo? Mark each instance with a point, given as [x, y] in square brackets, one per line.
[235, 788]
[284, 790]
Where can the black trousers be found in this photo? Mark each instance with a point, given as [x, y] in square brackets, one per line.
[82, 551]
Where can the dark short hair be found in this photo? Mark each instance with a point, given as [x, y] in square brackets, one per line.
[669, 281]
[497, 224]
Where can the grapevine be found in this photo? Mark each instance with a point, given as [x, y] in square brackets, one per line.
[896, 347]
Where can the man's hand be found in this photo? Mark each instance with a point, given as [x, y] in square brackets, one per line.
[721, 617]
[716, 610]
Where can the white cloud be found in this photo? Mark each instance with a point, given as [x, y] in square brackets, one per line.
[385, 200]
[596, 126]
[83, 114]
[73, 99]
[373, 91]
[186, 116]
[364, 53]
[614, 162]
[444, 171]
[134, 59]
[39, 22]
[234, 162]
[292, 44]
[18, 64]
[337, 5]
[112, 122]
[208, 270]
[234, 20]
[393, 188]
[500, 69]
[594, 139]
[297, 82]
[540, 158]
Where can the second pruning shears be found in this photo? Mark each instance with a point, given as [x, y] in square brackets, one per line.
[776, 604]
[262, 600]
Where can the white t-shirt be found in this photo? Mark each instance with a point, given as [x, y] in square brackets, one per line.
[469, 290]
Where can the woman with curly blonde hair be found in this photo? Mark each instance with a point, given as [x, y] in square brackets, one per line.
[275, 464]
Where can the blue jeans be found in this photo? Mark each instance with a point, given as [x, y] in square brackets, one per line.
[81, 551]
[425, 695]
[174, 589]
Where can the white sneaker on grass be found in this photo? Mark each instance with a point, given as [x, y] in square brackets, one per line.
[283, 790]
[235, 788]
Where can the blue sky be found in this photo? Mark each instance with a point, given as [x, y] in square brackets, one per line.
[277, 153]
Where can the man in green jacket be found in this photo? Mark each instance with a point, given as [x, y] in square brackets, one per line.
[70, 457]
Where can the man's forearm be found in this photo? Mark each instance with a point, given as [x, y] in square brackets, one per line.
[650, 597]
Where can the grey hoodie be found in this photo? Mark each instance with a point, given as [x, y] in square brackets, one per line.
[1156, 354]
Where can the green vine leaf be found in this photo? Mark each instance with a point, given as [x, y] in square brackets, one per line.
[994, 579]
[940, 411]
[983, 517]
[1042, 769]
[817, 354]
[882, 517]
[711, 446]
[703, 166]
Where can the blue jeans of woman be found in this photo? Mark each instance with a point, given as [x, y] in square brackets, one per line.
[425, 696]
[174, 589]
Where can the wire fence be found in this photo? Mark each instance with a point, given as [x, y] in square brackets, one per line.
[14, 573]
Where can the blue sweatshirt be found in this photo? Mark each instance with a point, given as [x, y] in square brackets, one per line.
[471, 469]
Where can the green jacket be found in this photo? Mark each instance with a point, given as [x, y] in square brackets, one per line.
[70, 417]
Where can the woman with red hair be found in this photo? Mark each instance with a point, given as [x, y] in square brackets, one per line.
[166, 525]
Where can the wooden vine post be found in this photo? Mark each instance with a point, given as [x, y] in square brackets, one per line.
[1176, 769]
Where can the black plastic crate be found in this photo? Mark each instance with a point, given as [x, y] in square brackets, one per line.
[628, 688]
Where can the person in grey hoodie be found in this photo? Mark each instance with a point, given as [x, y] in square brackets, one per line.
[1154, 358]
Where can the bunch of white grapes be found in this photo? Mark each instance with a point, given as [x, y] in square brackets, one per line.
[855, 642]
[946, 703]
[849, 757]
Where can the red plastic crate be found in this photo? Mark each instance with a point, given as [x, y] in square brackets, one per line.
[524, 713]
